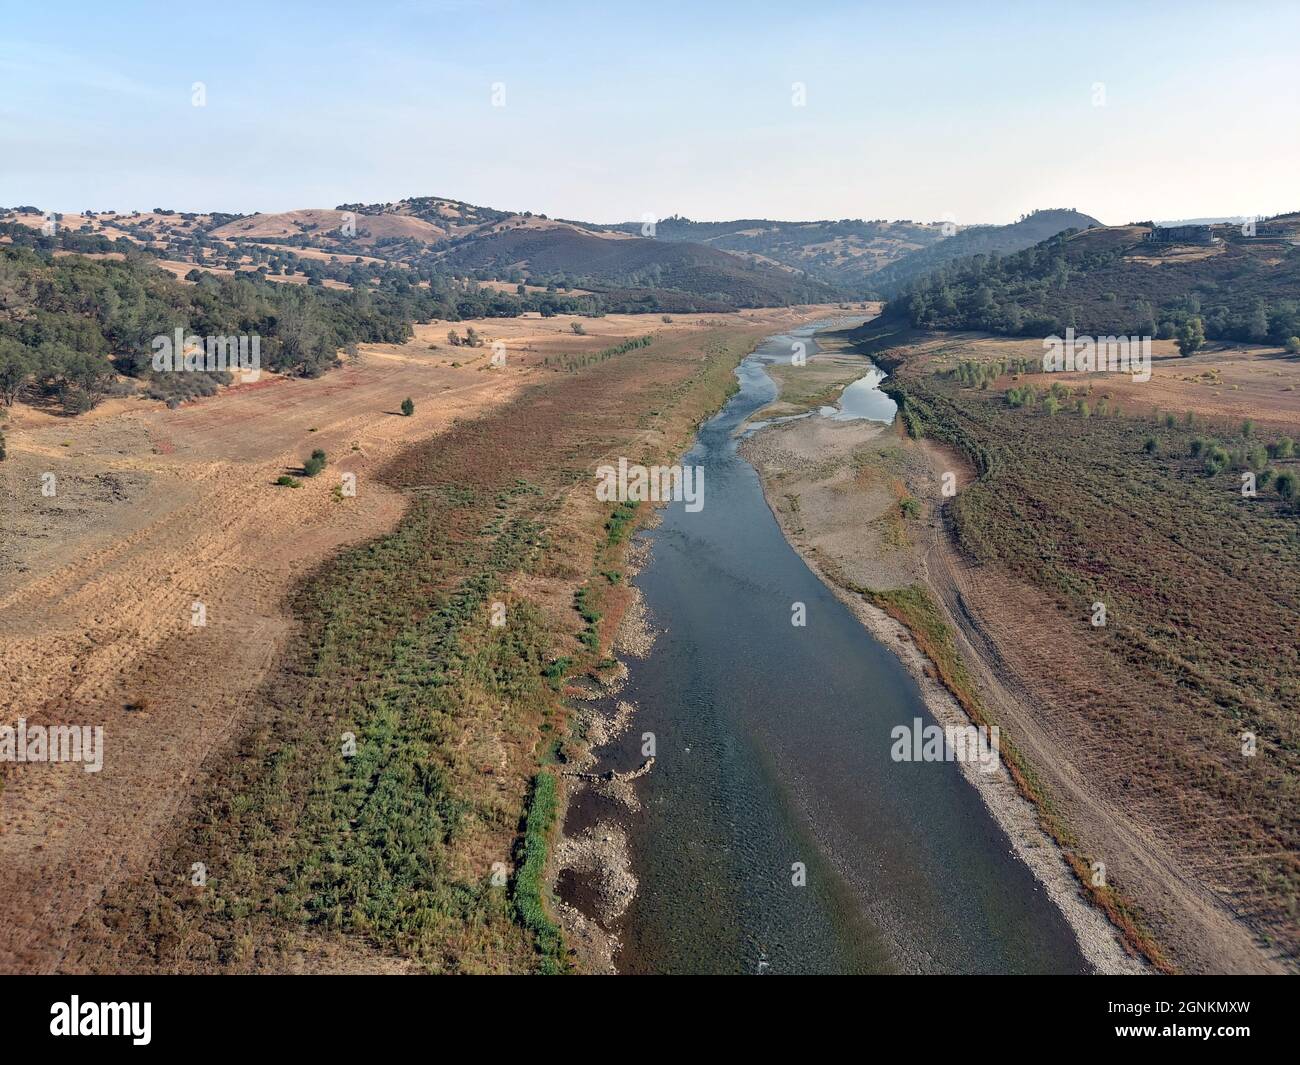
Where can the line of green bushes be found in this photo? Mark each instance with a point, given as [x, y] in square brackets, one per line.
[530, 881]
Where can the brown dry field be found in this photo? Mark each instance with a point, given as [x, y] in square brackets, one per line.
[286, 224]
[158, 509]
[319, 254]
[1222, 380]
[508, 286]
[835, 489]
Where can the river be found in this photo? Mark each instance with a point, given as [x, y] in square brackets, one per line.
[773, 752]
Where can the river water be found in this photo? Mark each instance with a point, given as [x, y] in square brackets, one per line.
[773, 748]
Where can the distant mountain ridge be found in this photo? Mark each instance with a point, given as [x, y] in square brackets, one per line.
[627, 270]
[716, 277]
[842, 252]
[675, 265]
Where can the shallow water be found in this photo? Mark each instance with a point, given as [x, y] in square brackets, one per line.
[863, 399]
[773, 748]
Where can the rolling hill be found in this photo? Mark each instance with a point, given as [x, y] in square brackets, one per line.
[685, 266]
[593, 259]
[978, 240]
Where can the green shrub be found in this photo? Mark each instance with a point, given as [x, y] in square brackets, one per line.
[556, 671]
[1024, 396]
[619, 521]
[408, 407]
[314, 464]
[288, 482]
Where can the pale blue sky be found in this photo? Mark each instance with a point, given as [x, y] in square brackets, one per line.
[613, 111]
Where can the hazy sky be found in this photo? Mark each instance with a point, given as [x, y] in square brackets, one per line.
[617, 110]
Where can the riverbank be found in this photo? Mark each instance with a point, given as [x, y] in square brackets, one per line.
[873, 513]
[859, 501]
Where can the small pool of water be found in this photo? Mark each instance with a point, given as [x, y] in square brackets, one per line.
[859, 399]
[863, 399]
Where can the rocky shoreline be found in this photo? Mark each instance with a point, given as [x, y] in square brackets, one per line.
[598, 856]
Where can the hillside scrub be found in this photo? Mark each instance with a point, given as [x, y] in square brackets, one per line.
[1070, 281]
[1202, 585]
